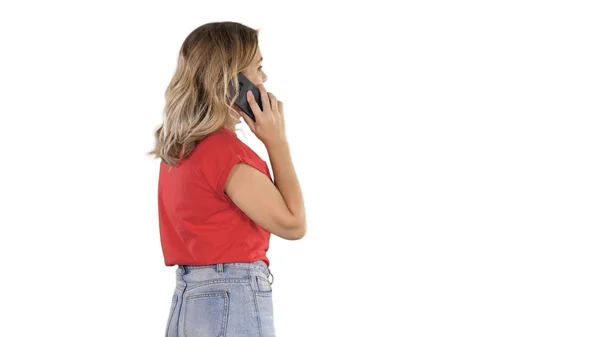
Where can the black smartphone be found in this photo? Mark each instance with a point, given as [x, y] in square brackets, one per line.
[242, 102]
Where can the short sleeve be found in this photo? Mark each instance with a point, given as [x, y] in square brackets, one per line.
[219, 154]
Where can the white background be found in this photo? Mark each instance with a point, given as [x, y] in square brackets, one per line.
[448, 153]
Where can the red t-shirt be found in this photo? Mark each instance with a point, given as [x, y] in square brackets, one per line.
[199, 224]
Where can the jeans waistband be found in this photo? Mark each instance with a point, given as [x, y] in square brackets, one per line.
[219, 267]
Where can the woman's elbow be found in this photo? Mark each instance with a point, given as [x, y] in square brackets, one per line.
[297, 232]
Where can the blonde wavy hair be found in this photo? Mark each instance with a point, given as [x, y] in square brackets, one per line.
[198, 101]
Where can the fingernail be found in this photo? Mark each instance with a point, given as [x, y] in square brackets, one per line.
[250, 93]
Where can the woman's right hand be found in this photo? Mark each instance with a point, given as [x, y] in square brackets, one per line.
[270, 125]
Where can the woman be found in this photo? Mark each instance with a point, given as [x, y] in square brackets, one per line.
[217, 201]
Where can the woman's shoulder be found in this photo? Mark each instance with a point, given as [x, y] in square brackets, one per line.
[221, 150]
[222, 138]
[225, 141]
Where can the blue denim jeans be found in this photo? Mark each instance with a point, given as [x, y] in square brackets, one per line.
[222, 300]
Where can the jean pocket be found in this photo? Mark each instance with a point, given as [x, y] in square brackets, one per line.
[264, 304]
[263, 284]
[205, 314]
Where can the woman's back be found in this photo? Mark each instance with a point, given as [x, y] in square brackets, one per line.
[199, 224]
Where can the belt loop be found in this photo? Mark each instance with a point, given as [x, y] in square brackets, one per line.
[220, 268]
[272, 277]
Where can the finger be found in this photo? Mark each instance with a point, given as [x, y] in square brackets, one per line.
[280, 106]
[266, 104]
[253, 105]
[273, 101]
